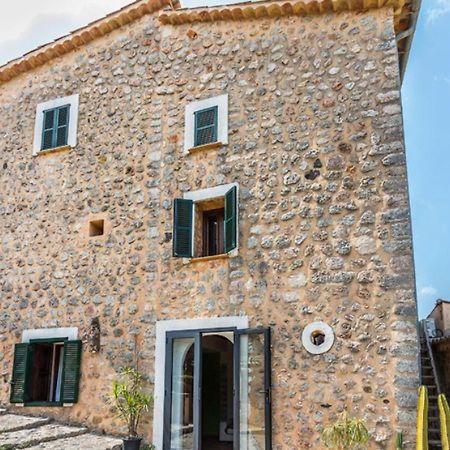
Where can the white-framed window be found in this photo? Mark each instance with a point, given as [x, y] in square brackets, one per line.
[46, 367]
[56, 124]
[205, 222]
[206, 122]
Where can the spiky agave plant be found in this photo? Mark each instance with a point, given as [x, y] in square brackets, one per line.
[346, 433]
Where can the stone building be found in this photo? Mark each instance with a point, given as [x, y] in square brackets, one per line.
[219, 194]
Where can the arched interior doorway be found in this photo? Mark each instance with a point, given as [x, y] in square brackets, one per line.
[217, 391]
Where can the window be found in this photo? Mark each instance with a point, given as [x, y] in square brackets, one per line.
[205, 222]
[206, 123]
[46, 372]
[56, 124]
[206, 126]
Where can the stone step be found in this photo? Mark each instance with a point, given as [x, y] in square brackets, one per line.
[44, 433]
[14, 422]
[83, 442]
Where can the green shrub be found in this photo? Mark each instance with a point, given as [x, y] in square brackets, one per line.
[346, 433]
[129, 399]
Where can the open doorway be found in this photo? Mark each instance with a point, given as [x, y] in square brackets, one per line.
[217, 393]
[212, 402]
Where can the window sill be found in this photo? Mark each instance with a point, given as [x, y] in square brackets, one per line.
[231, 254]
[201, 148]
[53, 150]
[43, 404]
[206, 258]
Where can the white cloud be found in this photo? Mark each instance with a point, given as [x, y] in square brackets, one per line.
[439, 9]
[427, 291]
[26, 24]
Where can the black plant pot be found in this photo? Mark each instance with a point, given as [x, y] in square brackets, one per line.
[132, 443]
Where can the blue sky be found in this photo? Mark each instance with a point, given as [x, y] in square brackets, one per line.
[25, 24]
[426, 108]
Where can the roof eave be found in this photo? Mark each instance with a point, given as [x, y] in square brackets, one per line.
[416, 5]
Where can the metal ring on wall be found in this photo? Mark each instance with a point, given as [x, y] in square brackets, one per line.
[317, 338]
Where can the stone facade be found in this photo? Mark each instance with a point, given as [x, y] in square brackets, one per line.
[316, 145]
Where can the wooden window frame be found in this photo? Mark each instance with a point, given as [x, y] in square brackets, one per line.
[56, 127]
[214, 126]
[38, 341]
[72, 124]
[199, 197]
[70, 379]
[221, 103]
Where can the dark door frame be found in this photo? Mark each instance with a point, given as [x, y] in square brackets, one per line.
[197, 407]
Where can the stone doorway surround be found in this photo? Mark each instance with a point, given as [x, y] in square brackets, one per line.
[164, 326]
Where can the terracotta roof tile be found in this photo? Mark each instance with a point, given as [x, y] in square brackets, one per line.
[405, 12]
[82, 36]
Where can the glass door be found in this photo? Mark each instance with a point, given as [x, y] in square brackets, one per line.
[252, 408]
[217, 390]
[182, 390]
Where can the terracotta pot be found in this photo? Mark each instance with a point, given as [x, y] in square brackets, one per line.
[132, 443]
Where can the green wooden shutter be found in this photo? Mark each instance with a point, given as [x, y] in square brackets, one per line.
[21, 372]
[230, 221]
[71, 371]
[55, 130]
[206, 126]
[62, 126]
[182, 228]
[47, 129]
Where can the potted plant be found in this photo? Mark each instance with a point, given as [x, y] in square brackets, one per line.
[346, 433]
[130, 402]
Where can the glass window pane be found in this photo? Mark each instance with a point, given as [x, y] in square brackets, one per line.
[182, 407]
[252, 393]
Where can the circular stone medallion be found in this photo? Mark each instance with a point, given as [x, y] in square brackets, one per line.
[317, 338]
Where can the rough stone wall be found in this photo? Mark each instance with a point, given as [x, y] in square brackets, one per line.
[316, 144]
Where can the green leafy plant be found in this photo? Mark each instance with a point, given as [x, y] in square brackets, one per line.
[148, 447]
[399, 441]
[6, 447]
[346, 433]
[129, 399]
